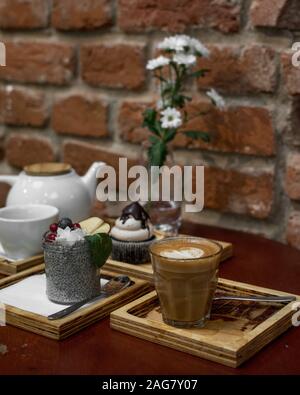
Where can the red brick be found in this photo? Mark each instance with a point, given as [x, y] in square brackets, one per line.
[130, 121]
[246, 130]
[276, 13]
[291, 74]
[24, 107]
[293, 230]
[292, 176]
[22, 150]
[23, 14]
[4, 189]
[240, 129]
[113, 66]
[77, 15]
[80, 115]
[251, 69]
[38, 62]
[81, 155]
[238, 192]
[148, 15]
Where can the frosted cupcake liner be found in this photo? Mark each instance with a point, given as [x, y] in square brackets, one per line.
[134, 252]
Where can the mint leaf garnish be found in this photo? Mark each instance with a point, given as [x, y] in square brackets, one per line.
[100, 246]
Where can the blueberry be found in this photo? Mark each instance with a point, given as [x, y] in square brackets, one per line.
[64, 222]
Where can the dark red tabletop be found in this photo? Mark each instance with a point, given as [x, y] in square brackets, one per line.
[101, 350]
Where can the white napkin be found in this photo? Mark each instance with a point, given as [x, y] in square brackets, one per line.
[30, 295]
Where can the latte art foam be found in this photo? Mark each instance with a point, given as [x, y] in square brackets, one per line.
[183, 253]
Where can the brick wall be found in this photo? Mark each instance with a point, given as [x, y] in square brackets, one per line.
[75, 86]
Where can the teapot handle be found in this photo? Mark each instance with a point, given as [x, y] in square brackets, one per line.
[11, 180]
[90, 178]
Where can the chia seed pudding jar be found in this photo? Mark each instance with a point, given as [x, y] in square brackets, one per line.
[71, 276]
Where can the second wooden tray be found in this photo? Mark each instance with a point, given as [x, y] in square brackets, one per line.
[236, 331]
[145, 271]
[60, 329]
[7, 268]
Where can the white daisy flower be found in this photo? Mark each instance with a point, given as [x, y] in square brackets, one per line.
[171, 118]
[184, 43]
[216, 99]
[156, 63]
[177, 43]
[198, 47]
[184, 59]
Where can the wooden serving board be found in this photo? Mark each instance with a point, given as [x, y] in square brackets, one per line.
[8, 268]
[236, 331]
[65, 327]
[144, 271]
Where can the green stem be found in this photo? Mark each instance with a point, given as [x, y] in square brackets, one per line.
[161, 90]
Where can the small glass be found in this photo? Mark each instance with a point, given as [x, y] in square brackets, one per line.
[185, 286]
[165, 212]
[165, 216]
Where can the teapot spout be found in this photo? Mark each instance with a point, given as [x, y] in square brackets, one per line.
[90, 178]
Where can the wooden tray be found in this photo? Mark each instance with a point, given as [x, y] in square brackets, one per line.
[65, 327]
[144, 271]
[236, 331]
[8, 268]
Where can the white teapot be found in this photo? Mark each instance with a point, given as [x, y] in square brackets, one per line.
[55, 184]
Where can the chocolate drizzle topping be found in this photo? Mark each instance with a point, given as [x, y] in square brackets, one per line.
[137, 212]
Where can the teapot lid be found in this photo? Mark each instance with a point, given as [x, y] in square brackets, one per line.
[47, 169]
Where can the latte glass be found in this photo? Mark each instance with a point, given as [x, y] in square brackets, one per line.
[185, 277]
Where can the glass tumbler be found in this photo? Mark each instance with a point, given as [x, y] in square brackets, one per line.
[185, 277]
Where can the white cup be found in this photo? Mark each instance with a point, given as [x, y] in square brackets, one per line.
[22, 228]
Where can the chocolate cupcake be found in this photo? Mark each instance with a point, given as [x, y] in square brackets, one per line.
[132, 235]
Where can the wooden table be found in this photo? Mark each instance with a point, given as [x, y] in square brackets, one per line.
[100, 350]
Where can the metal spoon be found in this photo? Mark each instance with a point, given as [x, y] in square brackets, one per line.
[113, 286]
[278, 299]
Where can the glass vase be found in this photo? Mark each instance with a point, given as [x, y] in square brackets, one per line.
[165, 214]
